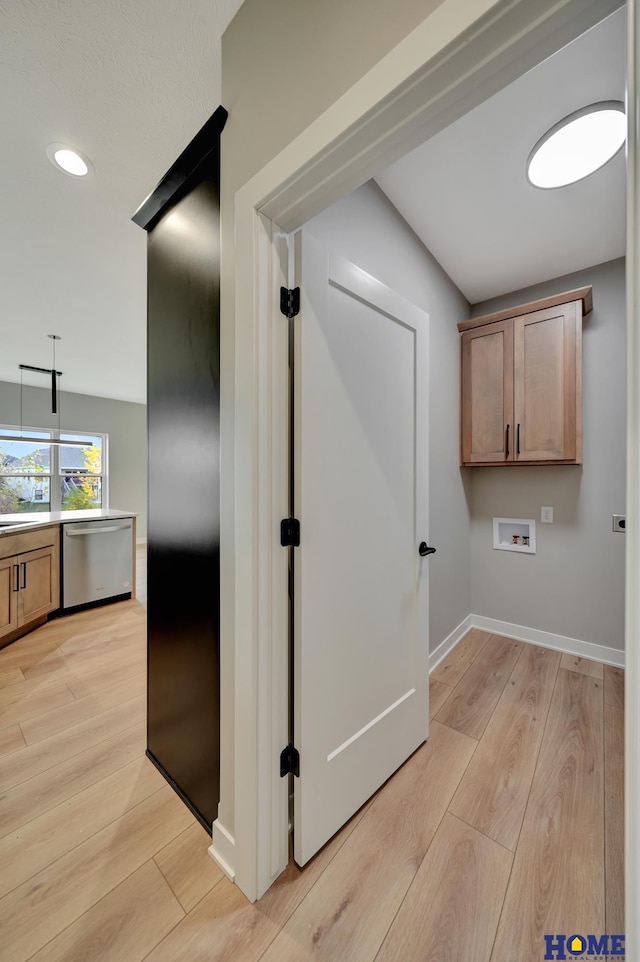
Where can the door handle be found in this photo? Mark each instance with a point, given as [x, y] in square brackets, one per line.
[506, 453]
[424, 549]
[17, 581]
[518, 440]
[23, 565]
[95, 530]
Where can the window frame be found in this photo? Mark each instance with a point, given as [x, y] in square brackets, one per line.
[55, 474]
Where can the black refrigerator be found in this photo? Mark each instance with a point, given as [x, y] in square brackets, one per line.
[182, 218]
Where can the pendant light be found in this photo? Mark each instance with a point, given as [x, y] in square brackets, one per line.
[55, 403]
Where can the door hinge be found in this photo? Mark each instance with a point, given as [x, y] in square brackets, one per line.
[289, 761]
[290, 301]
[290, 533]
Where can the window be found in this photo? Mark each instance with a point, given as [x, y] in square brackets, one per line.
[38, 476]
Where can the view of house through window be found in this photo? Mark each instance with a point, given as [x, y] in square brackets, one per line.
[38, 476]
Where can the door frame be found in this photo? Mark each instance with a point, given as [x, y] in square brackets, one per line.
[458, 56]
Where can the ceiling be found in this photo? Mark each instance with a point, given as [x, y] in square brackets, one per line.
[465, 194]
[129, 83]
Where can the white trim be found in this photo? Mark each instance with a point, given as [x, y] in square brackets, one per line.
[223, 849]
[261, 564]
[546, 639]
[531, 636]
[460, 54]
[632, 620]
[449, 643]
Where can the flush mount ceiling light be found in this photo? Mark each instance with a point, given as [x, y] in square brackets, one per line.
[70, 160]
[577, 146]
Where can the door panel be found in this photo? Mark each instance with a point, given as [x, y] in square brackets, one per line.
[37, 584]
[361, 495]
[8, 596]
[545, 384]
[487, 393]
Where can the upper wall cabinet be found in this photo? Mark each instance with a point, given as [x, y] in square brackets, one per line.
[521, 383]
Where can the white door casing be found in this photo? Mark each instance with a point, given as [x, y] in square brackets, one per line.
[361, 600]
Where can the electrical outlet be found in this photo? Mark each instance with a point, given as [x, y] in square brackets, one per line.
[619, 522]
[546, 515]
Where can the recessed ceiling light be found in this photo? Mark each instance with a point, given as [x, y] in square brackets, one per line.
[70, 160]
[578, 145]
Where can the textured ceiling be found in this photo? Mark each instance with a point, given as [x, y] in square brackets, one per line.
[465, 194]
[129, 84]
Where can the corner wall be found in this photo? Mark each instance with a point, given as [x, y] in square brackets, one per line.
[574, 585]
[124, 422]
[367, 229]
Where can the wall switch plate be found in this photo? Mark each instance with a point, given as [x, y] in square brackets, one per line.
[619, 522]
[546, 515]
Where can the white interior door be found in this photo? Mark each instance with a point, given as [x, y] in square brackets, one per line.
[361, 616]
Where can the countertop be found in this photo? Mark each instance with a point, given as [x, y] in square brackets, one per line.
[13, 523]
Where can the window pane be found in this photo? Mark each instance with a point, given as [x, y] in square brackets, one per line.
[20, 494]
[24, 456]
[80, 492]
[81, 460]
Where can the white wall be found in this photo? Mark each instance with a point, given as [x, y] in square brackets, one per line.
[367, 229]
[574, 585]
[123, 421]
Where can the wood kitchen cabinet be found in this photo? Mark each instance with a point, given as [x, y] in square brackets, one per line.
[29, 580]
[521, 383]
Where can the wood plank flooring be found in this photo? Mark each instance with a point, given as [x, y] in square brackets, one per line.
[505, 825]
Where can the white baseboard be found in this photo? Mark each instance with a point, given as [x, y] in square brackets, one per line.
[222, 849]
[532, 636]
[546, 639]
[449, 643]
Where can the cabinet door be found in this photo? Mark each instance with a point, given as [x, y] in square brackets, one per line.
[547, 384]
[8, 596]
[39, 584]
[487, 393]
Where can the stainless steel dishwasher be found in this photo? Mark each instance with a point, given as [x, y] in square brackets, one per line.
[97, 561]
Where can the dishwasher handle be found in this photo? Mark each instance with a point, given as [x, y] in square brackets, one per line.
[106, 530]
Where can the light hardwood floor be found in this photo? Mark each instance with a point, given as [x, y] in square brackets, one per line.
[506, 825]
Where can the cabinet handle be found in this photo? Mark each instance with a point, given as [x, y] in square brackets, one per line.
[17, 581]
[506, 454]
[23, 565]
[518, 440]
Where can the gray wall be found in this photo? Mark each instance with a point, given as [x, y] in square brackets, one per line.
[329, 46]
[368, 230]
[124, 422]
[574, 585]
